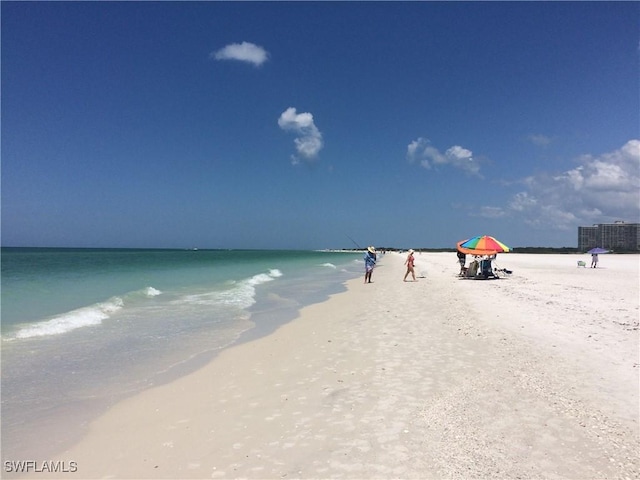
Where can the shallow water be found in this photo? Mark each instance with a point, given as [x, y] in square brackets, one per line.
[82, 329]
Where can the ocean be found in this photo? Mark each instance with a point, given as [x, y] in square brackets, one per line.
[84, 328]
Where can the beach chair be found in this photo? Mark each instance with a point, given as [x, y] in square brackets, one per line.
[501, 272]
[485, 271]
[472, 270]
[582, 264]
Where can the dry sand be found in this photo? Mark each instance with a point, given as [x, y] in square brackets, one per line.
[530, 376]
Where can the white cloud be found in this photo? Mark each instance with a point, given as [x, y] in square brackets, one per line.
[492, 212]
[539, 140]
[600, 189]
[412, 148]
[242, 52]
[427, 155]
[522, 201]
[458, 153]
[309, 140]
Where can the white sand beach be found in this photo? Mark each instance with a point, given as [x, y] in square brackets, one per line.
[530, 376]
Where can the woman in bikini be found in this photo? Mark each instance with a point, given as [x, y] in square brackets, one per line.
[409, 263]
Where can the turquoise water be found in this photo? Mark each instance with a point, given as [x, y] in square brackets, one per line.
[54, 291]
[83, 328]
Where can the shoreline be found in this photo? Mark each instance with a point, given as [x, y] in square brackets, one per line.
[440, 378]
[34, 431]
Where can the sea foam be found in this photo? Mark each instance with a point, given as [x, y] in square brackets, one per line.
[241, 294]
[152, 292]
[82, 317]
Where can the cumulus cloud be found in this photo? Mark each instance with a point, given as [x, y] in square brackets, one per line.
[600, 189]
[421, 151]
[309, 139]
[522, 201]
[242, 52]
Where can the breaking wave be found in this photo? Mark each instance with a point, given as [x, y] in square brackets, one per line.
[82, 317]
[240, 294]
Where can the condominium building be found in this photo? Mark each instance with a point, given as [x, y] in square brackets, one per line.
[618, 236]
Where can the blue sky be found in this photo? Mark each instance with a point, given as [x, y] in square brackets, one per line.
[299, 125]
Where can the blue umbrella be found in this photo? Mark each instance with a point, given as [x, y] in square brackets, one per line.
[597, 250]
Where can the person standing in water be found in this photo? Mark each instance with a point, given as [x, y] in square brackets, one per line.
[369, 263]
[409, 263]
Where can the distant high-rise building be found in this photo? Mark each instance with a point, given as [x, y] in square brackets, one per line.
[618, 236]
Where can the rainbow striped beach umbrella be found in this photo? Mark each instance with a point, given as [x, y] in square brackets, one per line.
[482, 245]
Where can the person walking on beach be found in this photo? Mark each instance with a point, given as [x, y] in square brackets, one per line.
[594, 260]
[369, 263]
[409, 263]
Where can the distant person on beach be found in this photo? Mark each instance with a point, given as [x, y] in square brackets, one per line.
[409, 263]
[369, 263]
[462, 258]
[594, 260]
